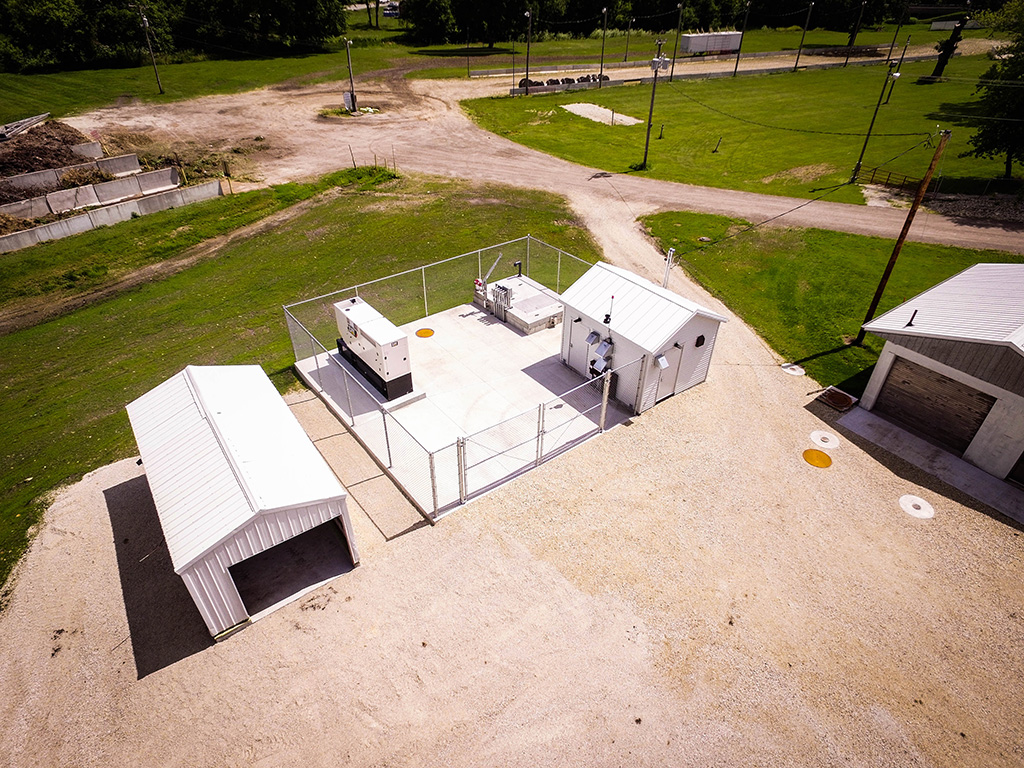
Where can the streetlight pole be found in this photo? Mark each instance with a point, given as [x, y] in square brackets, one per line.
[679, 29]
[629, 28]
[657, 63]
[604, 34]
[889, 73]
[746, 16]
[807, 22]
[856, 31]
[921, 190]
[145, 28]
[529, 33]
[351, 81]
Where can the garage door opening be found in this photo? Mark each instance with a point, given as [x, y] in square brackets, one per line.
[291, 569]
[934, 406]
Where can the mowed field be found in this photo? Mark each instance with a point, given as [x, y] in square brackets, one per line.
[796, 134]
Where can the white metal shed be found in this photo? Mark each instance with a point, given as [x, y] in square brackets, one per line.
[952, 368]
[614, 317]
[232, 474]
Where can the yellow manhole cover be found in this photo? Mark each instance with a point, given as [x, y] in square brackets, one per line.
[817, 458]
[425, 333]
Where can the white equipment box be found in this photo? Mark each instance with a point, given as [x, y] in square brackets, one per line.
[375, 346]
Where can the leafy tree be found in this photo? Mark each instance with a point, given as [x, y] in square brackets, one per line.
[432, 21]
[1001, 91]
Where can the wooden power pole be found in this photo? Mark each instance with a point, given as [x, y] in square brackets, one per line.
[921, 190]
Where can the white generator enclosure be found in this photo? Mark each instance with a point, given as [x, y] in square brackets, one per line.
[710, 42]
[232, 474]
[614, 317]
[375, 346]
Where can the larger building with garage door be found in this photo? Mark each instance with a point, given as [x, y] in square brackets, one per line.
[952, 369]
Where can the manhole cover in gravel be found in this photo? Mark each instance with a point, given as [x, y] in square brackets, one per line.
[817, 458]
[425, 333]
[824, 439]
[793, 369]
[916, 506]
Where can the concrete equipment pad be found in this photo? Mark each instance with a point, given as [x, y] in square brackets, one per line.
[975, 482]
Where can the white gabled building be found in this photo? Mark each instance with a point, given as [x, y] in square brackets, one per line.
[614, 317]
[952, 368]
[232, 474]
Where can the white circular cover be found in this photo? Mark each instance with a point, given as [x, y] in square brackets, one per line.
[916, 506]
[824, 439]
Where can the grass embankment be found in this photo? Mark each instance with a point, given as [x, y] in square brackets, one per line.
[786, 134]
[66, 382]
[805, 291]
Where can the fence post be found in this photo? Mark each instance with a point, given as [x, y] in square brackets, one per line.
[558, 273]
[316, 363]
[479, 265]
[540, 434]
[433, 480]
[528, 238]
[606, 387]
[423, 272]
[460, 451]
[387, 442]
[348, 395]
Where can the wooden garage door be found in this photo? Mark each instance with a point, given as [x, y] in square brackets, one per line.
[932, 404]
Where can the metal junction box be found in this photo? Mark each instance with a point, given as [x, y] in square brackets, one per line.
[374, 346]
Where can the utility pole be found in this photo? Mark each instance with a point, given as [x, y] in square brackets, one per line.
[672, 74]
[145, 28]
[889, 74]
[604, 34]
[921, 190]
[799, 49]
[351, 81]
[746, 16]
[856, 31]
[658, 62]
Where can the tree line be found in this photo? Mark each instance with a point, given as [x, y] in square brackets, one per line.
[454, 21]
[62, 34]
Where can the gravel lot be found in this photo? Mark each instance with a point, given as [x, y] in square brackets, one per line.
[684, 590]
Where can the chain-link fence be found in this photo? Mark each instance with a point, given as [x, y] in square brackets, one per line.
[438, 480]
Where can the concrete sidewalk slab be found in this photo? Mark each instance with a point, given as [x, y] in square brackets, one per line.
[978, 484]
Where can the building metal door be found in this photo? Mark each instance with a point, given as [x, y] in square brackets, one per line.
[669, 377]
[578, 347]
[934, 405]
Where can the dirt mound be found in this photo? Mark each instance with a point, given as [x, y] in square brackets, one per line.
[45, 146]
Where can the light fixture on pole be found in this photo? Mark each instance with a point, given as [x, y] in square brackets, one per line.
[889, 74]
[746, 16]
[629, 28]
[351, 82]
[807, 22]
[657, 63]
[679, 29]
[896, 74]
[145, 29]
[604, 34]
[529, 33]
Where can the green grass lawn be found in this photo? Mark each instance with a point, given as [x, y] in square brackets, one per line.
[777, 132]
[66, 382]
[805, 291]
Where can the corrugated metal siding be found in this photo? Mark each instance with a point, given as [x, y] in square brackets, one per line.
[982, 303]
[643, 312]
[214, 593]
[197, 495]
[700, 365]
[269, 530]
[999, 365]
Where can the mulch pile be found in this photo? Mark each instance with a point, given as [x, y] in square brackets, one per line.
[47, 145]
